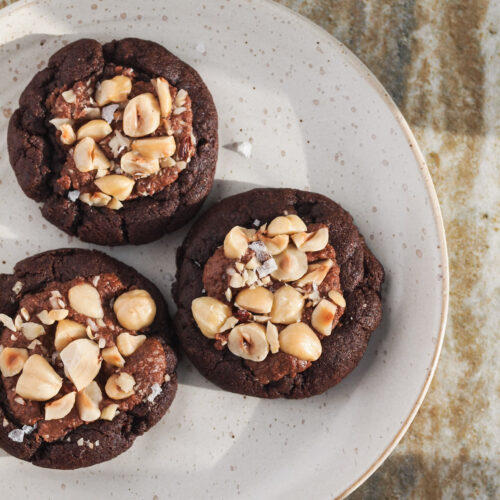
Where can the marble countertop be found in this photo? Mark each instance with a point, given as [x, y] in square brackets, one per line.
[440, 61]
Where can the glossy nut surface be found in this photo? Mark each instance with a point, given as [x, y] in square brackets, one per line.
[60, 407]
[134, 164]
[67, 331]
[292, 264]
[141, 115]
[112, 356]
[155, 147]
[97, 129]
[337, 298]
[87, 402]
[311, 242]
[288, 305]
[135, 309]
[128, 344]
[210, 315]
[85, 299]
[38, 380]
[235, 243]
[276, 244]
[300, 341]
[81, 359]
[316, 273]
[258, 300]
[118, 186]
[286, 224]
[248, 341]
[31, 330]
[323, 316]
[120, 386]
[12, 360]
[114, 90]
[163, 91]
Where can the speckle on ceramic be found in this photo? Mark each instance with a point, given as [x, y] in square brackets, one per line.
[308, 138]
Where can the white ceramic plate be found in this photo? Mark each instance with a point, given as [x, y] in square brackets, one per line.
[317, 119]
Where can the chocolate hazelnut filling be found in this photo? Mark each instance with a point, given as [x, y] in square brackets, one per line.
[124, 137]
[74, 353]
[272, 294]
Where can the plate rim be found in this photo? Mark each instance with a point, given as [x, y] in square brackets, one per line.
[372, 80]
[367, 75]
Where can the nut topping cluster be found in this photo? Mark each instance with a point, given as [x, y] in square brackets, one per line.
[125, 137]
[83, 366]
[283, 291]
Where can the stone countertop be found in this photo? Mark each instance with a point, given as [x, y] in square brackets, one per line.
[440, 61]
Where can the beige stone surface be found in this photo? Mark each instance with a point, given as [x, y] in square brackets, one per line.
[440, 61]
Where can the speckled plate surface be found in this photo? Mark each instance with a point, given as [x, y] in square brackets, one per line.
[316, 119]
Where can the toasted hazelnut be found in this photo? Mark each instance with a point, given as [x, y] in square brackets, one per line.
[109, 412]
[163, 90]
[311, 242]
[45, 317]
[135, 309]
[248, 341]
[210, 314]
[236, 281]
[272, 337]
[228, 324]
[96, 199]
[12, 361]
[115, 90]
[252, 264]
[88, 156]
[31, 331]
[276, 244]
[69, 96]
[323, 316]
[118, 186]
[59, 122]
[7, 322]
[58, 314]
[60, 407]
[316, 273]
[300, 341]
[97, 129]
[292, 264]
[67, 331]
[87, 402]
[85, 299]
[128, 344]
[258, 300]
[112, 356]
[286, 224]
[38, 380]
[81, 362]
[120, 386]
[287, 306]
[337, 298]
[68, 136]
[155, 147]
[135, 164]
[115, 204]
[235, 243]
[141, 115]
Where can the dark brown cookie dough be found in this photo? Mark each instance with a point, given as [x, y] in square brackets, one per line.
[69, 443]
[361, 278]
[38, 157]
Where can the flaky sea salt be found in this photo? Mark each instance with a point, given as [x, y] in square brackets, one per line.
[155, 392]
[267, 268]
[244, 148]
[260, 249]
[108, 112]
[73, 195]
[17, 435]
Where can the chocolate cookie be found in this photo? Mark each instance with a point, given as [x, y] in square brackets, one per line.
[277, 294]
[119, 141]
[85, 363]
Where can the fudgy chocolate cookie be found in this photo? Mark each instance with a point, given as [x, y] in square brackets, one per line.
[277, 294]
[85, 365]
[119, 141]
